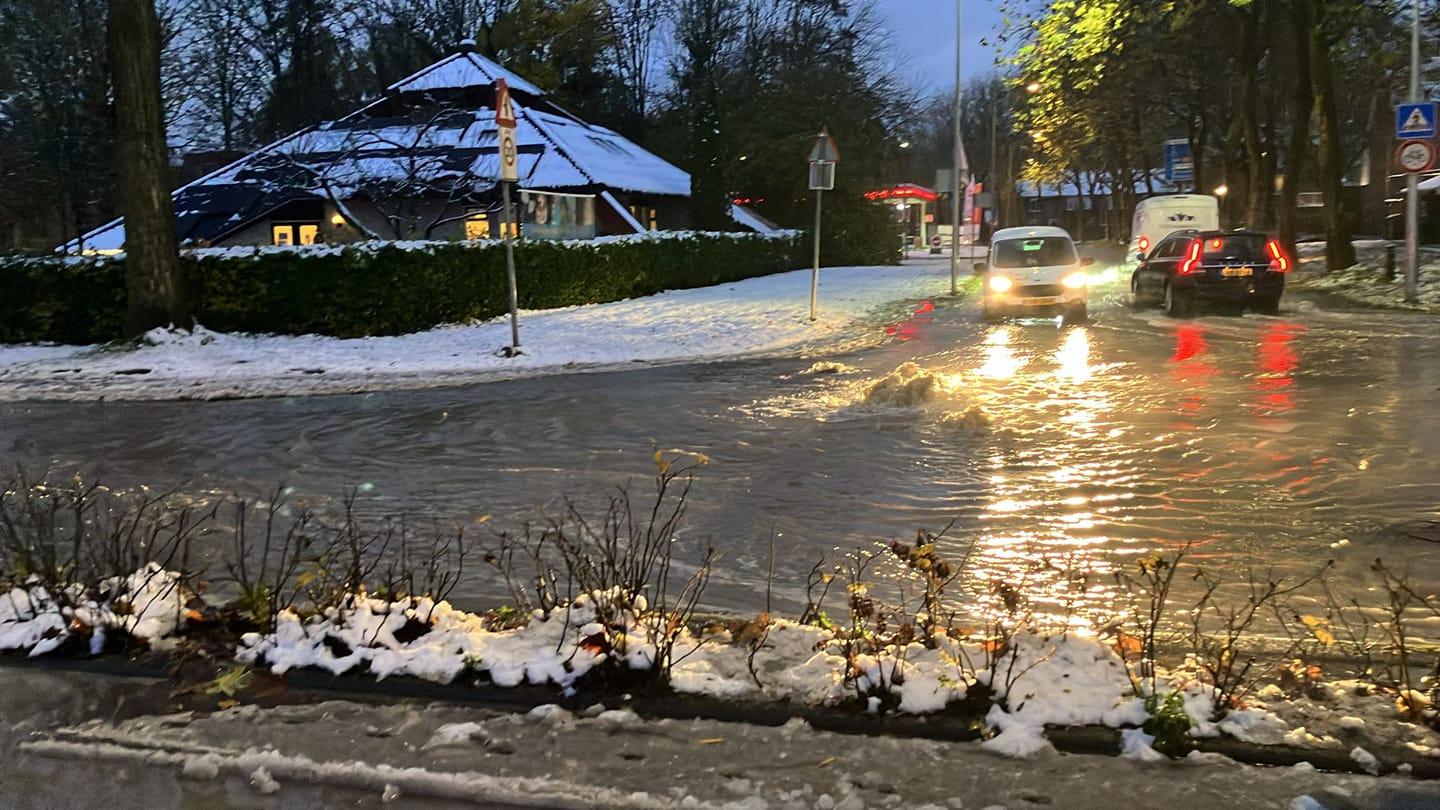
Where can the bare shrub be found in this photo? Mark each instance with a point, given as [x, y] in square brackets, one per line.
[623, 565]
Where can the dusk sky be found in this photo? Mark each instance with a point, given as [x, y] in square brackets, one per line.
[924, 38]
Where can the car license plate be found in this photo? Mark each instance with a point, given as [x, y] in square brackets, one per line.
[1236, 271]
[1042, 302]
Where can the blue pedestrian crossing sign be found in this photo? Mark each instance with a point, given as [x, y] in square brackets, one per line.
[1414, 121]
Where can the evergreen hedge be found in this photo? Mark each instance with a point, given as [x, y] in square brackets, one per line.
[379, 288]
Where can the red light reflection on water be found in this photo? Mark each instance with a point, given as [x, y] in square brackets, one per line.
[1191, 368]
[1277, 362]
[910, 329]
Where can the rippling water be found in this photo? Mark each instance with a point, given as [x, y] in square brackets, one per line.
[1053, 455]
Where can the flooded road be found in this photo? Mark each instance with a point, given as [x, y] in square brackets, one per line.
[1051, 453]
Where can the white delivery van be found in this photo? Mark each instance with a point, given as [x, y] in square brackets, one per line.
[1033, 271]
[1158, 217]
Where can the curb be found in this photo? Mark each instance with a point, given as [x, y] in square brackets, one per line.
[303, 686]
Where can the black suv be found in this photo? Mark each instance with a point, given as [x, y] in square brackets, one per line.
[1234, 269]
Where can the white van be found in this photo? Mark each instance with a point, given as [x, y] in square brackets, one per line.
[1158, 217]
[1033, 271]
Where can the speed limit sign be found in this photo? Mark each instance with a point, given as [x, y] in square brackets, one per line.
[1416, 156]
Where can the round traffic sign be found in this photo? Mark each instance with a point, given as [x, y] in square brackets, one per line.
[1416, 156]
[935, 240]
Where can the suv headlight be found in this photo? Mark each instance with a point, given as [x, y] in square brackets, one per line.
[1001, 284]
[1076, 280]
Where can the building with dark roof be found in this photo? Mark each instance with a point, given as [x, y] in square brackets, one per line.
[422, 162]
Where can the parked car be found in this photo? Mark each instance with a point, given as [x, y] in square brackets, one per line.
[1033, 271]
[1157, 217]
[1233, 269]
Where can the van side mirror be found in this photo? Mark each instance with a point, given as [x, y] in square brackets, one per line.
[1087, 261]
[979, 268]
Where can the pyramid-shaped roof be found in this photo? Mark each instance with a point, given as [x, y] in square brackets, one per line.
[460, 70]
[433, 129]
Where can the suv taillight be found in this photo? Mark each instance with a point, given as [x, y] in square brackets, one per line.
[1278, 262]
[1191, 262]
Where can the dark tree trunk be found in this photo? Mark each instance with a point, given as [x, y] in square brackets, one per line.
[1302, 101]
[1255, 191]
[155, 286]
[1339, 252]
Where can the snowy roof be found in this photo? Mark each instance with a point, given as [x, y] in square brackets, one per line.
[467, 69]
[434, 132]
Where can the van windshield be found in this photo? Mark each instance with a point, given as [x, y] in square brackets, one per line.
[1039, 251]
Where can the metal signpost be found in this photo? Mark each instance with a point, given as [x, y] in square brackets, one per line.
[957, 191]
[509, 173]
[1414, 126]
[823, 158]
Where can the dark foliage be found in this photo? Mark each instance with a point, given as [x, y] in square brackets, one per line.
[381, 288]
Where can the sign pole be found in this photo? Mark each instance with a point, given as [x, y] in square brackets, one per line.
[1412, 182]
[508, 223]
[509, 174]
[815, 267]
[823, 157]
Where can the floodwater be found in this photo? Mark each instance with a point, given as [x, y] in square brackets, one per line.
[1050, 456]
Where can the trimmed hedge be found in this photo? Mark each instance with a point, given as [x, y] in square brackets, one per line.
[378, 288]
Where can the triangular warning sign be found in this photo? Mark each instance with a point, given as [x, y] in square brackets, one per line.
[1417, 122]
[504, 109]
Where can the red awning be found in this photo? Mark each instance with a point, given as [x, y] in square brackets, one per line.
[905, 192]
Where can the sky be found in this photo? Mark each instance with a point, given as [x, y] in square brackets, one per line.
[924, 37]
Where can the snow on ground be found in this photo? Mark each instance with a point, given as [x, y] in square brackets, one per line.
[1056, 680]
[751, 317]
[1367, 281]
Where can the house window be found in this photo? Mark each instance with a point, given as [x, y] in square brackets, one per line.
[556, 215]
[646, 216]
[295, 233]
[478, 226]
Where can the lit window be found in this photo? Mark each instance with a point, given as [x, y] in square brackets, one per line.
[303, 233]
[477, 226]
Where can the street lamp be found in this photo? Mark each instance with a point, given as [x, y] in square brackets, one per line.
[957, 202]
[1220, 192]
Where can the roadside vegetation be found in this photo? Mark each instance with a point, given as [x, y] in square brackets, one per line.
[612, 602]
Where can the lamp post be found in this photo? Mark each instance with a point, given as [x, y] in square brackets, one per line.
[1412, 182]
[823, 157]
[1220, 192]
[957, 202]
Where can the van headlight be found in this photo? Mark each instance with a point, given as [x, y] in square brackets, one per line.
[1076, 280]
[1001, 284]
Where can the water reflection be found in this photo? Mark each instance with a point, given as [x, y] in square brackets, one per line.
[1275, 381]
[1043, 545]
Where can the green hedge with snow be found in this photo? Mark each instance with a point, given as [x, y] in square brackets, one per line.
[379, 288]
